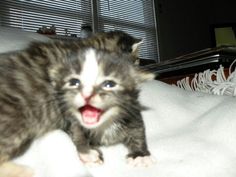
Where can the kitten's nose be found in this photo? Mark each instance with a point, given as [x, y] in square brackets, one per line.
[87, 93]
[86, 99]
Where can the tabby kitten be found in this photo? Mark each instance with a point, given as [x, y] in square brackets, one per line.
[105, 107]
[49, 81]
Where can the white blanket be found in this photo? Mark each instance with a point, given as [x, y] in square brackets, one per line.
[191, 134]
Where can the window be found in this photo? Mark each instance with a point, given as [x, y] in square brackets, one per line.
[30, 15]
[135, 17]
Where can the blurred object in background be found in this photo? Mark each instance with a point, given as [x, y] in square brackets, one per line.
[47, 30]
[86, 31]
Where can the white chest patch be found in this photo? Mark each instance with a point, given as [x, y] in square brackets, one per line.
[89, 72]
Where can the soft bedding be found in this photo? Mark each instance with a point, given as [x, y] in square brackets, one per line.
[191, 134]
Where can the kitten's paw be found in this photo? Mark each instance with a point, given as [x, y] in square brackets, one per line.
[91, 159]
[10, 169]
[141, 161]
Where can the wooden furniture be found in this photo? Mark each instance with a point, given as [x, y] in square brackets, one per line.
[173, 70]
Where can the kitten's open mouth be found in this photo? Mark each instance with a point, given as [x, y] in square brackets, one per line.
[90, 114]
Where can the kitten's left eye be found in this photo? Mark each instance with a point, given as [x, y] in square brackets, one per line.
[109, 84]
[74, 82]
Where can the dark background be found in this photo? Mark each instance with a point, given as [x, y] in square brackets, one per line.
[184, 25]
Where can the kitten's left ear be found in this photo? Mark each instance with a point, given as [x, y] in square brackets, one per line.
[135, 49]
[136, 44]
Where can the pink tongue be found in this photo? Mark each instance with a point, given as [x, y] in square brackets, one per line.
[90, 114]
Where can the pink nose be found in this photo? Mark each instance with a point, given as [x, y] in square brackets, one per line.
[86, 98]
[87, 94]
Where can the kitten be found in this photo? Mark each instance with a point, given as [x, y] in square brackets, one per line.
[105, 107]
[49, 81]
[116, 41]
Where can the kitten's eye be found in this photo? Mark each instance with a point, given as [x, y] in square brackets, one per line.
[74, 82]
[108, 84]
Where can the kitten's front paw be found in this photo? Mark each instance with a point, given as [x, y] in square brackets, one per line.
[141, 161]
[10, 169]
[91, 159]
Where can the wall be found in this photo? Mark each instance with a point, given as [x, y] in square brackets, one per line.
[223, 12]
[183, 25]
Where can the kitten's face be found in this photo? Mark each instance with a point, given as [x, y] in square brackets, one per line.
[97, 85]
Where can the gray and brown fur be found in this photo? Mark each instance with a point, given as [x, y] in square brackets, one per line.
[116, 41]
[29, 104]
[125, 125]
[32, 98]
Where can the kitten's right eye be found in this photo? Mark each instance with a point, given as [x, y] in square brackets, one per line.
[74, 82]
[109, 84]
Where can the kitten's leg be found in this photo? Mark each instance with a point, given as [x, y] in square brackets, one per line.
[139, 154]
[10, 169]
[92, 158]
[141, 161]
[87, 155]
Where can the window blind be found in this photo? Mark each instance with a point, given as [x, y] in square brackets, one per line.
[30, 15]
[135, 17]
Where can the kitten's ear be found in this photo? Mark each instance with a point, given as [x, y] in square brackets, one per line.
[136, 45]
[135, 50]
[143, 76]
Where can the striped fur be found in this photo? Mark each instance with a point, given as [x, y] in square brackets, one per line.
[121, 120]
[116, 41]
[29, 104]
[35, 98]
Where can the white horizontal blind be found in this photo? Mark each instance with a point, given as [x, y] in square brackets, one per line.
[135, 17]
[33, 14]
